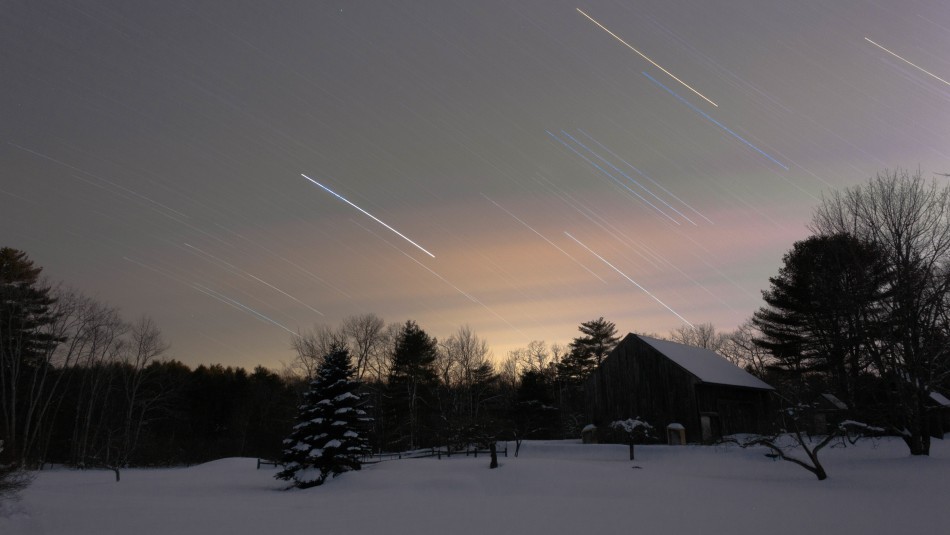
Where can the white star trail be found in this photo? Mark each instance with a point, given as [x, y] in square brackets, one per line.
[467, 295]
[258, 279]
[609, 175]
[240, 306]
[213, 294]
[551, 243]
[374, 218]
[642, 55]
[624, 275]
[628, 177]
[644, 175]
[914, 65]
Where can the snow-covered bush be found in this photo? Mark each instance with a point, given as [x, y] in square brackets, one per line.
[634, 430]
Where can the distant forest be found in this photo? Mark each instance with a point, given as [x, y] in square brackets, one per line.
[859, 310]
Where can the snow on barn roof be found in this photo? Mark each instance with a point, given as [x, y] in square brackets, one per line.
[706, 364]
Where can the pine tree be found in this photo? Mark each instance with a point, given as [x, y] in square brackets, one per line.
[588, 351]
[412, 385]
[26, 313]
[327, 439]
[822, 314]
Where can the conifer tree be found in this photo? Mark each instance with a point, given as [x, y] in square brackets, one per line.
[26, 313]
[328, 438]
[588, 351]
[412, 385]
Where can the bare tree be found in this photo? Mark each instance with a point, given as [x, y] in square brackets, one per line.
[536, 356]
[740, 349]
[466, 370]
[908, 218]
[101, 338]
[508, 370]
[702, 335]
[311, 347]
[32, 384]
[365, 341]
[793, 444]
[145, 345]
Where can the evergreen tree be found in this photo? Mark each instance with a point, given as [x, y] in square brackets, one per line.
[588, 351]
[536, 413]
[822, 314]
[412, 385]
[26, 312]
[327, 439]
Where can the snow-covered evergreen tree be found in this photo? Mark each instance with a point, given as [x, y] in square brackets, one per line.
[328, 437]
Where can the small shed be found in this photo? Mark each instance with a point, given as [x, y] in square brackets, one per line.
[828, 411]
[665, 382]
[938, 413]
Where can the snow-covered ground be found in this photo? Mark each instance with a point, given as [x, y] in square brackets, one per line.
[553, 487]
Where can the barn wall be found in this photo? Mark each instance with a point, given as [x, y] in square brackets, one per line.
[636, 380]
[739, 410]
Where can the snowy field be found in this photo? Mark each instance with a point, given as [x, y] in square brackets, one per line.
[552, 488]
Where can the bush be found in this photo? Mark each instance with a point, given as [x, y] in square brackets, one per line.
[12, 480]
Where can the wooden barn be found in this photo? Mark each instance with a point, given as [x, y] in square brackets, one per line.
[667, 383]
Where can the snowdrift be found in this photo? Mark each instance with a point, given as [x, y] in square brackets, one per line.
[553, 487]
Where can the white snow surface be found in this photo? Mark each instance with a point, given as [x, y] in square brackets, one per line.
[706, 364]
[555, 487]
[940, 399]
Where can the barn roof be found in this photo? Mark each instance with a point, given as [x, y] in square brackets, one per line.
[706, 364]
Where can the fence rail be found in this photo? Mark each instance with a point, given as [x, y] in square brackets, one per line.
[425, 453]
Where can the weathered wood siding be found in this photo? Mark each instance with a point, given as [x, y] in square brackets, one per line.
[739, 410]
[636, 380]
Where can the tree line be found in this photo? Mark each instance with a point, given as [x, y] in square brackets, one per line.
[80, 385]
[859, 310]
[83, 386]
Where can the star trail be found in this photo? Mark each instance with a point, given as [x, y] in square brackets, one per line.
[151, 156]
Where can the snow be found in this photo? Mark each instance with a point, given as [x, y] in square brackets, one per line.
[554, 487]
[631, 424]
[706, 364]
[346, 395]
[837, 403]
[940, 399]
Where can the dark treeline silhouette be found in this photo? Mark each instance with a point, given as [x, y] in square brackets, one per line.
[82, 386]
[79, 385]
[861, 309]
[859, 312]
[185, 416]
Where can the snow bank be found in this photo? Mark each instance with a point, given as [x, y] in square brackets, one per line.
[553, 487]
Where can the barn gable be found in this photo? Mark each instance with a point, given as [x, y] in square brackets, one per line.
[666, 382]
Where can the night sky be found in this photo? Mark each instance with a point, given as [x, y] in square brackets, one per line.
[519, 167]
